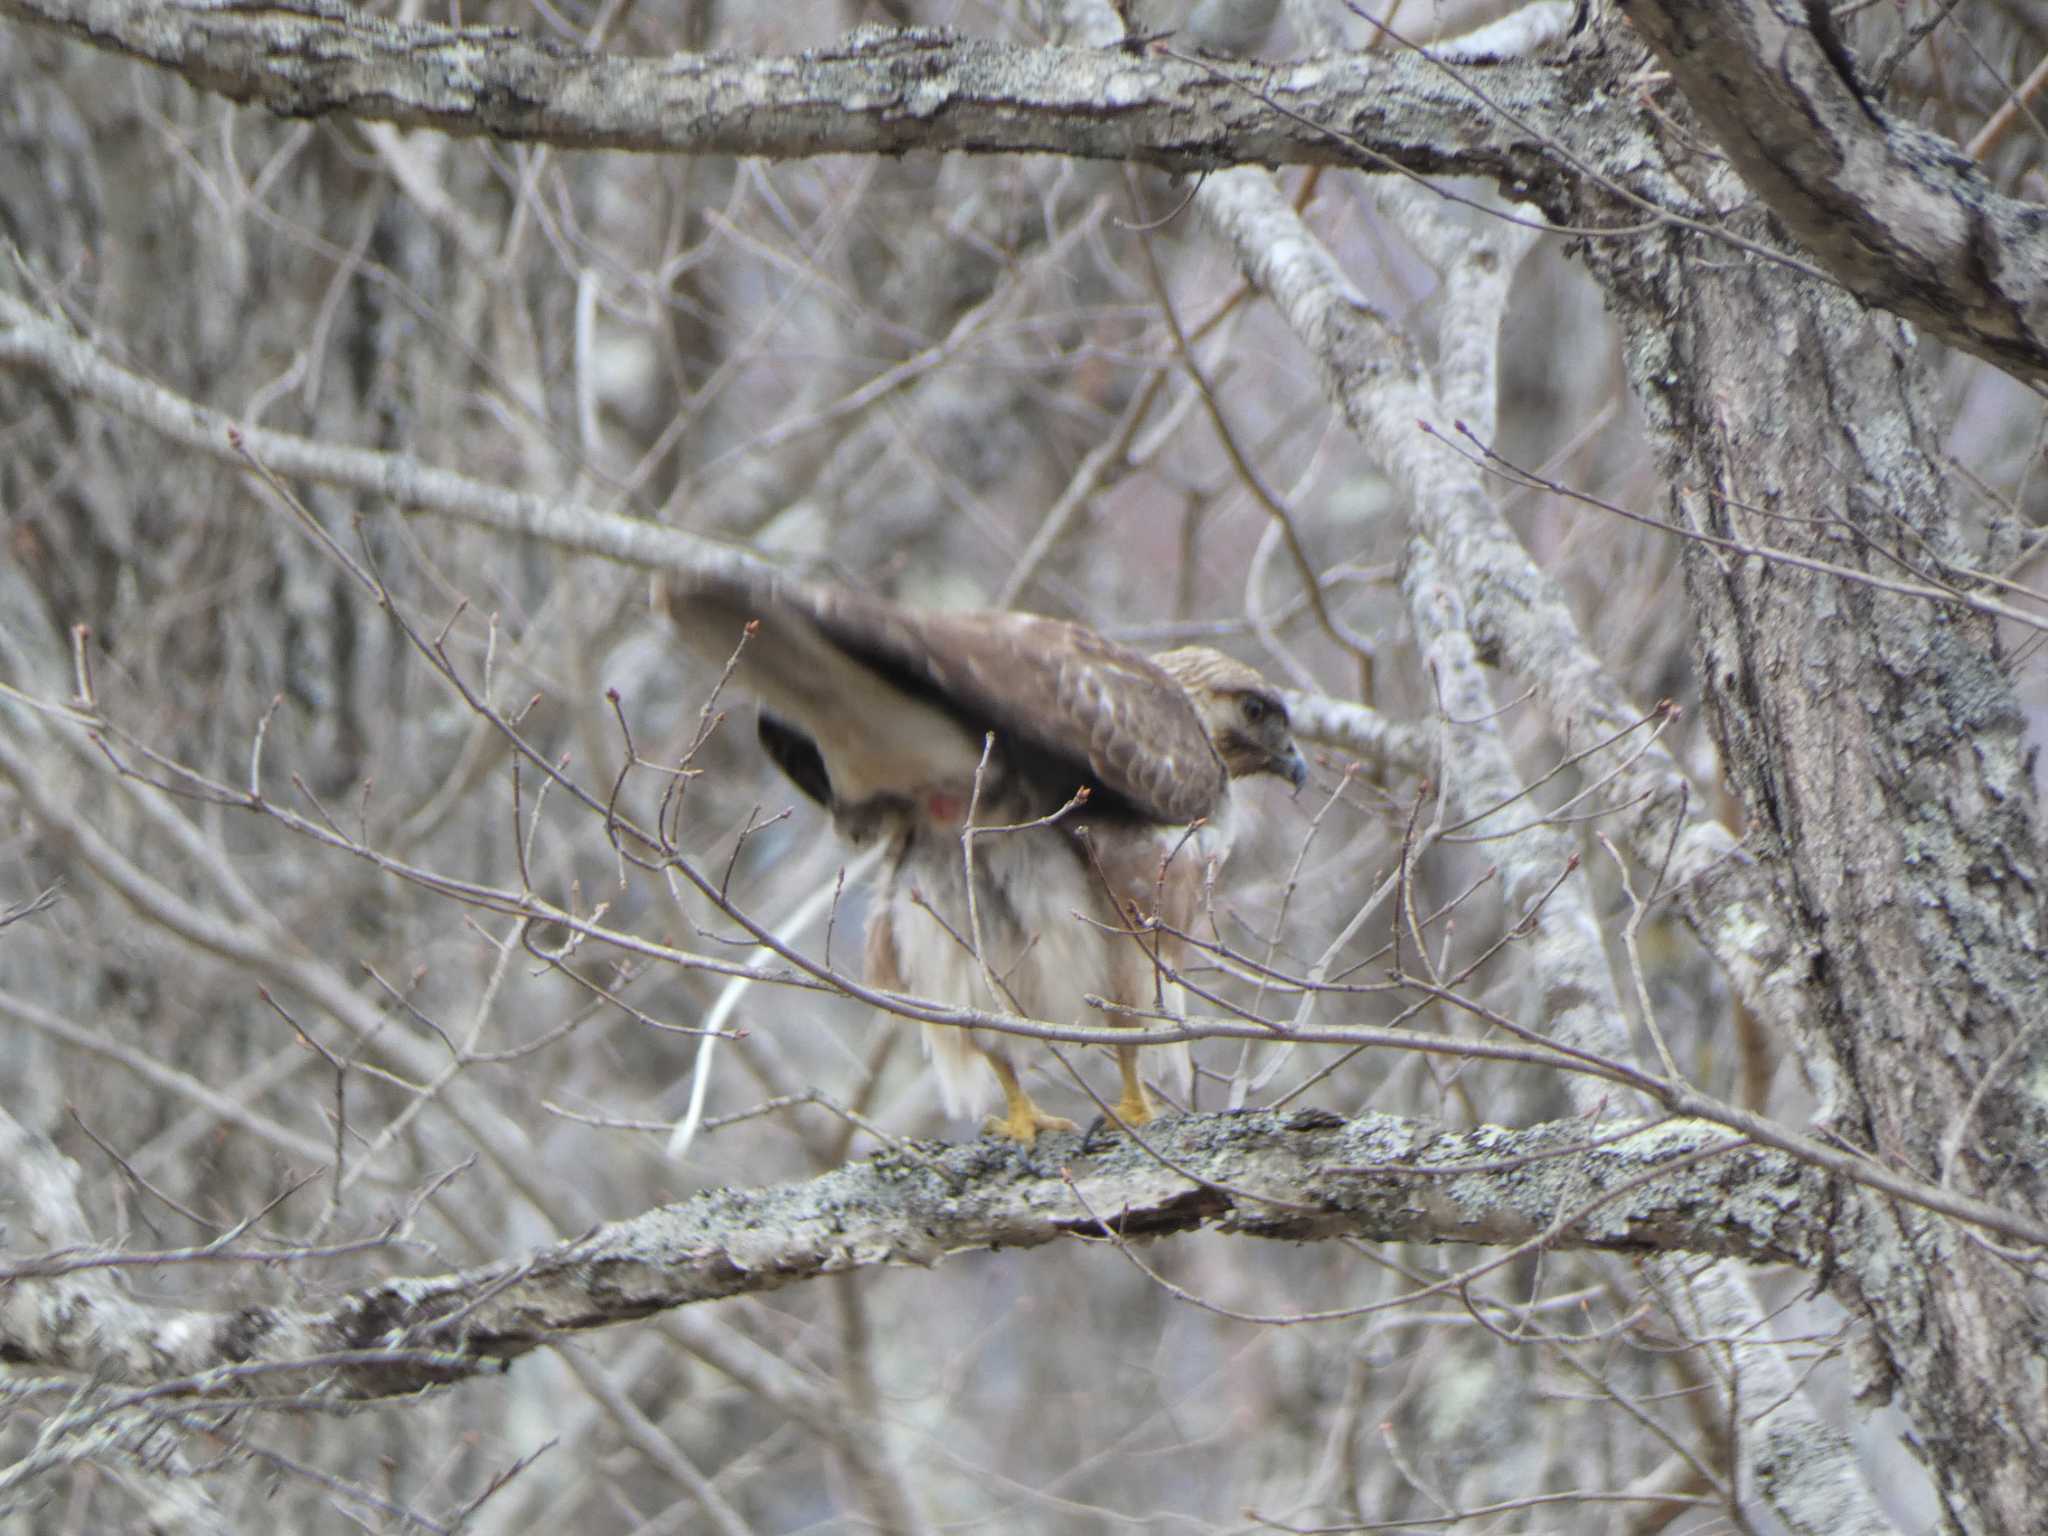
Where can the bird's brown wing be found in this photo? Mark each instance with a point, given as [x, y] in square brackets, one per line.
[824, 707]
[1071, 707]
[1079, 700]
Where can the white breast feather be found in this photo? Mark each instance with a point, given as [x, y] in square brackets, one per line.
[1030, 887]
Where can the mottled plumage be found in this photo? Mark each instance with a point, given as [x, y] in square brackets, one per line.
[881, 712]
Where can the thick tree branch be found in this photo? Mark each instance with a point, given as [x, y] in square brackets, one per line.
[876, 92]
[1879, 748]
[1518, 612]
[1674, 1186]
[1901, 216]
[1796, 1464]
[1399, 746]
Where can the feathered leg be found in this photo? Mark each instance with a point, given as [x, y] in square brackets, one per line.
[1136, 1106]
[1144, 970]
[1023, 1120]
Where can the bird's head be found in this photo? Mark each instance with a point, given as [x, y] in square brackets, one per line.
[1243, 714]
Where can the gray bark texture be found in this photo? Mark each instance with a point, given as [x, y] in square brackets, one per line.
[1617, 431]
[1885, 767]
[1670, 1187]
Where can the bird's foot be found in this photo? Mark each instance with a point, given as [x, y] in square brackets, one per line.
[1023, 1123]
[1136, 1109]
[1127, 1115]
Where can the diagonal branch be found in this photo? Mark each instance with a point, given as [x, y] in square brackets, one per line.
[1904, 218]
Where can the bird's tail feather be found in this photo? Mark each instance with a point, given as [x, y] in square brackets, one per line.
[1176, 1065]
[965, 1081]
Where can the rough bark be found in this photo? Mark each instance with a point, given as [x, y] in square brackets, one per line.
[1900, 215]
[1672, 1186]
[881, 91]
[1795, 1463]
[1880, 755]
[1897, 214]
[1891, 920]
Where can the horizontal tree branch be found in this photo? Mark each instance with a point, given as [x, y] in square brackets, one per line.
[1901, 217]
[877, 91]
[1671, 1186]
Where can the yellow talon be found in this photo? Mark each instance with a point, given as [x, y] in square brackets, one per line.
[1136, 1112]
[1023, 1123]
[1023, 1120]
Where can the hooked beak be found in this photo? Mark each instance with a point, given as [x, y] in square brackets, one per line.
[1293, 767]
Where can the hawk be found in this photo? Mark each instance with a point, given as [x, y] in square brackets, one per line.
[883, 713]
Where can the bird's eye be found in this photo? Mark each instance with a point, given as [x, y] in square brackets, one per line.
[1255, 709]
